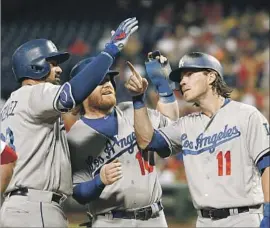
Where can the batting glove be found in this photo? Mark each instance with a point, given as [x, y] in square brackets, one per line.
[158, 69]
[125, 29]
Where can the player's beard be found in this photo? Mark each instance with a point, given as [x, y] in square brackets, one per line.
[102, 102]
[56, 80]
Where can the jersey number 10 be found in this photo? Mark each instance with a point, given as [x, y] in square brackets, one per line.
[227, 162]
[144, 164]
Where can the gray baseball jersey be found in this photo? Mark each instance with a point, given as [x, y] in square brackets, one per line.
[31, 125]
[90, 150]
[220, 154]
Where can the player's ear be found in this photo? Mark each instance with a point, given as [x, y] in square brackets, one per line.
[211, 77]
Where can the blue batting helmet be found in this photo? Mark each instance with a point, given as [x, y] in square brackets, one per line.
[196, 60]
[83, 63]
[30, 60]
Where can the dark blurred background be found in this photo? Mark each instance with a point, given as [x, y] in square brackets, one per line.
[236, 32]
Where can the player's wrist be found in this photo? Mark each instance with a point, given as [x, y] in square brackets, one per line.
[98, 181]
[112, 50]
[164, 89]
[138, 101]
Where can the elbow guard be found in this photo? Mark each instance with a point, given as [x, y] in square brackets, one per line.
[64, 102]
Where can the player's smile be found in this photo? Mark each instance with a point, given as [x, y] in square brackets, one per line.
[107, 92]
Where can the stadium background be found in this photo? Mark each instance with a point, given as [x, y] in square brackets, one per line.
[237, 33]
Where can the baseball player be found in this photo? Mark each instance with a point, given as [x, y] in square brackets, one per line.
[225, 146]
[8, 159]
[105, 132]
[31, 123]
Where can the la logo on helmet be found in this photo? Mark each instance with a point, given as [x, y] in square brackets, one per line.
[181, 63]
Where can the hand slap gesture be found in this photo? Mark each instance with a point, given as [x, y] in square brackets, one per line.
[123, 32]
[136, 84]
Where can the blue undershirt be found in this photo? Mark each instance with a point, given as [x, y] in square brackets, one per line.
[90, 190]
[106, 125]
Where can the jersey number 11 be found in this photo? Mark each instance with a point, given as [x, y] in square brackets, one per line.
[221, 162]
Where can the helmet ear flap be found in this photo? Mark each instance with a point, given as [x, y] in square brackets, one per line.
[38, 69]
[40, 66]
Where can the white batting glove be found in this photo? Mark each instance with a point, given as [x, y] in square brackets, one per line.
[125, 29]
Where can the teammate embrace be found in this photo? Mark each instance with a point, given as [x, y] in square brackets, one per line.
[111, 148]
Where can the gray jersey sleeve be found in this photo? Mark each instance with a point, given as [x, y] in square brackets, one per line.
[43, 99]
[258, 135]
[172, 133]
[158, 120]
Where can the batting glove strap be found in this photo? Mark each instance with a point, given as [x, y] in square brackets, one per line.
[167, 99]
[112, 50]
[164, 90]
[138, 101]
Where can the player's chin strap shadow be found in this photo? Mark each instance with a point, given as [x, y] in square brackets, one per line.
[89, 223]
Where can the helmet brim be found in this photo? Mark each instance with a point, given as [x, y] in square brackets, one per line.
[175, 75]
[58, 57]
[113, 72]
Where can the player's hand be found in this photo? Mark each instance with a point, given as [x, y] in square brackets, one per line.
[156, 55]
[111, 172]
[125, 29]
[162, 66]
[158, 70]
[136, 84]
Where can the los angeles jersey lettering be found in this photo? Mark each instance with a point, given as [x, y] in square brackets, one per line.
[222, 152]
[90, 150]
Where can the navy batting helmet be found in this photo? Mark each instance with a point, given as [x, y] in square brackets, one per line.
[30, 60]
[196, 60]
[83, 63]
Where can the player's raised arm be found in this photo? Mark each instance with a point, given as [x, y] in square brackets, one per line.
[142, 124]
[81, 84]
[146, 136]
[158, 69]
